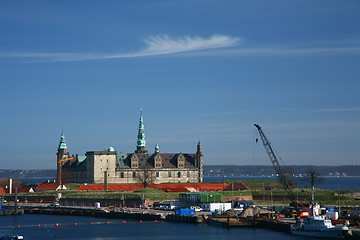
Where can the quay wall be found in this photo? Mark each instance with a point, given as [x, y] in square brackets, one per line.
[125, 214]
[274, 225]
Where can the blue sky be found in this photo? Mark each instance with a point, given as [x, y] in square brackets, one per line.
[201, 70]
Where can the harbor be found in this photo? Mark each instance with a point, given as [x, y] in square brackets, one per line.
[263, 221]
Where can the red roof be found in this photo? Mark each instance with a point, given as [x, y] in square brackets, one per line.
[166, 187]
[47, 186]
[2, 191]
[20, 190]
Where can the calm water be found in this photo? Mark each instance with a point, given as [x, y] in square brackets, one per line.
[130, 230]
[330, 183]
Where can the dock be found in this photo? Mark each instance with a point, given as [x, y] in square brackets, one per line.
[11, 211]
[127, 213]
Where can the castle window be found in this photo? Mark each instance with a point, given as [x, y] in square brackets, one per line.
[179, 174]
[188, 174]
[122, 174]
[134, 174]
[180, 161]
[157, 161]
[134, 161]
[157, 174]
[169, 174]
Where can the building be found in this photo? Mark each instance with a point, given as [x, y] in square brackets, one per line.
[137, 167]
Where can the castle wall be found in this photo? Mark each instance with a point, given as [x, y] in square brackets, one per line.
[98, 163]
[165, 175]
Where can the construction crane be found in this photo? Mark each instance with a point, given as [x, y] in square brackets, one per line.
[282, 175]
[60, 161]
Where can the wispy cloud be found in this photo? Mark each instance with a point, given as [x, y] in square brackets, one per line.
[354, 109]
[216, 45]
[286, 52]
[223, 113]
[325, 110]
[155, 46]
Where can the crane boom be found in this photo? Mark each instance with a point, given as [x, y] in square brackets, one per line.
[283, 177]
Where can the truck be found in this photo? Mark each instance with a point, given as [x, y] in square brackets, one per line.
[216, 207]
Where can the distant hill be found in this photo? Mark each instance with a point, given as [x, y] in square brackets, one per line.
[268, 170]
[21, 174]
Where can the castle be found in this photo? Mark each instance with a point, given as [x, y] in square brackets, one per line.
[137, 167]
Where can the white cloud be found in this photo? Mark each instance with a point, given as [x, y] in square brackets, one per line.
[155, 45]
[216, 45]
[164, 45]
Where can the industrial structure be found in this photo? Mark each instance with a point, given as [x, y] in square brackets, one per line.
[283, 176]
[112, 167]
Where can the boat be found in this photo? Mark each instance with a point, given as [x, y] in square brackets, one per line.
[318, 227]
[11, 237]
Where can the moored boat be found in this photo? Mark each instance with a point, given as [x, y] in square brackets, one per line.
[11, 237]
[319, 227]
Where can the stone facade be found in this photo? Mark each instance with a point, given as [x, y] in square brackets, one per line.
[113, 167]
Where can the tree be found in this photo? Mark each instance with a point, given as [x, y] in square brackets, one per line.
[145, 176]
[312, 176]
[5, 183]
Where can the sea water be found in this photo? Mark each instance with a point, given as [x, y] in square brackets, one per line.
[73, 227]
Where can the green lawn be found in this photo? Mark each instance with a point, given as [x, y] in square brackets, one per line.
[324, 197]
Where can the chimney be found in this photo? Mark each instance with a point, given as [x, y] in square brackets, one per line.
[10, 185]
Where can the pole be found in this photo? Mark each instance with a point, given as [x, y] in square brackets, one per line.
[263, 194]
[338, 176]
[16, 197]
[232, 195]
[105, 181]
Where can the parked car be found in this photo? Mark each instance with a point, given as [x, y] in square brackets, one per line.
[55, 204]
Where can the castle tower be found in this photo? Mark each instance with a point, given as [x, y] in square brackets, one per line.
[141, 143]
[62, 149]
[62, 152]
[199, 161]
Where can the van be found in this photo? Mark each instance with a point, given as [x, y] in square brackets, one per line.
[196, 208]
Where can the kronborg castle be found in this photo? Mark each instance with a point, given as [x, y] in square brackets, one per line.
[113, 167]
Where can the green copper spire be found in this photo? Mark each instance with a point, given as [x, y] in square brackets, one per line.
[62, 144]
[157, 149]
[141, 134]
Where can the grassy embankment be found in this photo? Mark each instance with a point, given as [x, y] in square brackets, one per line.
[325, 197]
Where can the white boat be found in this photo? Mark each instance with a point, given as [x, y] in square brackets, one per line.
[319, 227]
[11, 237]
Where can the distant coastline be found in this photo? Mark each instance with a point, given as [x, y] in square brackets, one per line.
[268, 170]
[214, 171]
